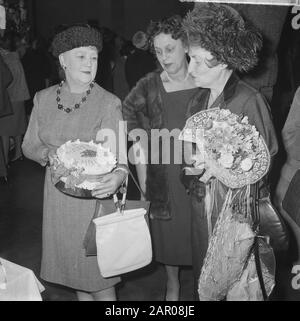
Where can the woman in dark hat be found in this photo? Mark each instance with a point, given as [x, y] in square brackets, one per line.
[77, 108]
[220, 44]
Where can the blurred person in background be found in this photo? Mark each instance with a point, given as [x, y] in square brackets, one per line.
[5, 109]
[141, 61]
[14, 125]
[37, 69]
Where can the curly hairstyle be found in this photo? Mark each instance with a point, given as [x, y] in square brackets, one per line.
[171, 26]
[221, 30]
[74, 37]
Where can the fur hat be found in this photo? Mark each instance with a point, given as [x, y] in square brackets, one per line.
[221, 30]
[74, 37]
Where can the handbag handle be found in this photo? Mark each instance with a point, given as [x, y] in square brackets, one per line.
[256, 221]
[255, 206]
[259, 269]
[123, 190]
[136, 184]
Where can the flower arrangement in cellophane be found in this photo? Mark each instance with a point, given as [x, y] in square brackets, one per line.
[232, 153]
[228, 147]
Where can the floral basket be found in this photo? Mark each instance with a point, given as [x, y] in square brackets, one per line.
[228, 147]
[76, 179]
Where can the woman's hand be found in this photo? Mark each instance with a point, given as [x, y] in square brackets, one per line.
[197, 190]
[57, 170]
[109, 184]
[190, 179]
[207, 175]
[51, 159]
[51, 156]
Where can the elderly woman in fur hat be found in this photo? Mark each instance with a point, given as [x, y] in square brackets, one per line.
[77, 108]
[221, 44]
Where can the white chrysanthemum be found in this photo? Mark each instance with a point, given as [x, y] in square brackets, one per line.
[245, 120]
[226, 160]
[105, 156]
[91, 157]
[246, 164]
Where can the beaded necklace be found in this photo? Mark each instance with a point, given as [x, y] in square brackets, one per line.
[77, 105]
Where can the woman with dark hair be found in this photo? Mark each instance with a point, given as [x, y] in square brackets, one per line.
[159, 101]
[220, 44]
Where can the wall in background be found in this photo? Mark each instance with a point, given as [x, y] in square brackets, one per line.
[49, 14]
[139, 13]
[123, 16]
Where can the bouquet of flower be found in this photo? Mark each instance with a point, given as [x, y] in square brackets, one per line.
[228, 147]
[81, 164]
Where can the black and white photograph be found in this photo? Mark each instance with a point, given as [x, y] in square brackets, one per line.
[150, 152]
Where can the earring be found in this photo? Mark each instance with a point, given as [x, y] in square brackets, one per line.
[64, 67]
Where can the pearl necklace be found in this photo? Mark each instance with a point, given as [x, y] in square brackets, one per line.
[77, 105]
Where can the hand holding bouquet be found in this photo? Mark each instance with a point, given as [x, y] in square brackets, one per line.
[58, 171]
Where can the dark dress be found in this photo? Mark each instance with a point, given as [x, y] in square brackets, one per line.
[172, 238]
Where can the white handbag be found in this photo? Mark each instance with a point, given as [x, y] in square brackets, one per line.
[123, 242]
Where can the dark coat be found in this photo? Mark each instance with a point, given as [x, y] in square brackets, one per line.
[5, 79]
[239, 98]
[143, 108]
